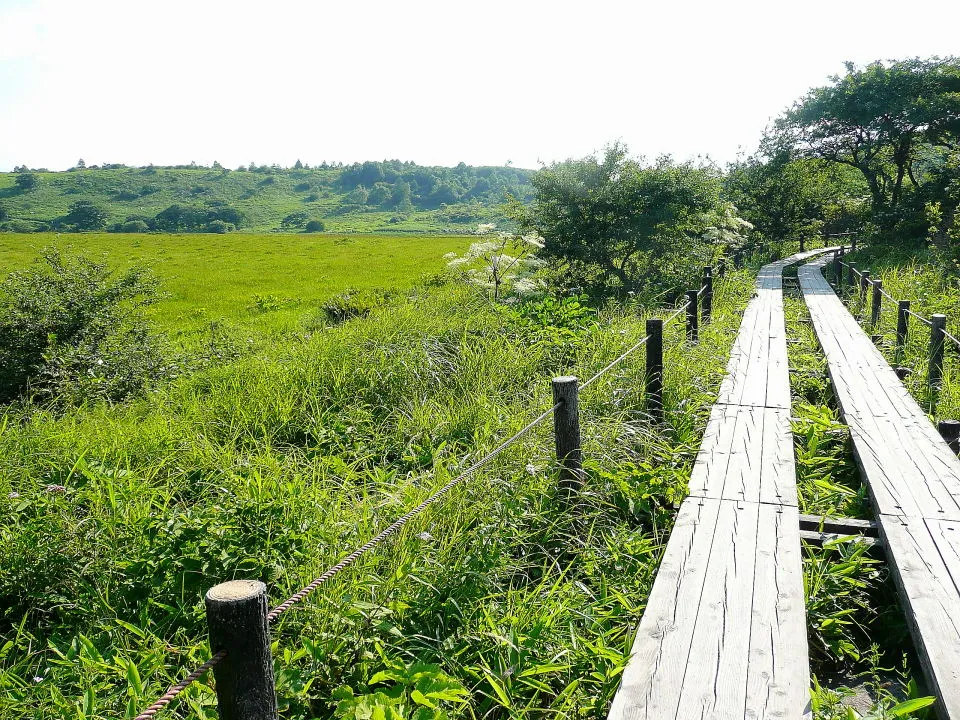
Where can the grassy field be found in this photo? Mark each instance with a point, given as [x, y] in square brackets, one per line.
[269, 282]
[274, 463]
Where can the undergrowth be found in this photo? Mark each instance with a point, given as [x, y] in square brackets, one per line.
[504, 600]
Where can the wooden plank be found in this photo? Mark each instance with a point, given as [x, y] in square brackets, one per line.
[914, 482]
[746, 454]
[917, 549]
[778, 678]
[651, 683]
[724, 631]
[715, 677]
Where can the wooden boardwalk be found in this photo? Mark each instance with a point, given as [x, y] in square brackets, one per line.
[724, 632]
[914, 481]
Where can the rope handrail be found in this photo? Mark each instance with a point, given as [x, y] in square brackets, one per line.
[174, 690]
[921, 318]
[701, 291]
[350, 559]
[955, 341]
[676, 312]
[887, 295]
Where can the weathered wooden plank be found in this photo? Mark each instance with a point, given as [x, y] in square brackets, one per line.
[914, 482]
[715, 677]
[917, 549]
[779, 667]
[653, 679]
[746, 454]
[724, 631]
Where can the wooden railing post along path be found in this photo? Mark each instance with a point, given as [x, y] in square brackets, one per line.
[938, 323]
[692, 330]
[903, 320]
[802, 244]
[237, 621]
[721, 267]
[851, 274]
[877, 300]
[950, 431]
[706, 304]
[654, 379]
[566, 431]
[864, 282]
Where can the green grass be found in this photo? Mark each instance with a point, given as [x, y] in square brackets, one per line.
[262, 281]
[275, 464]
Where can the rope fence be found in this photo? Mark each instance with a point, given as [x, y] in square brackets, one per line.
[565, 412]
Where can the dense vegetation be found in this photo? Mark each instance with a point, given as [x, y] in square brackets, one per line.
[387, 196]
[259, 404]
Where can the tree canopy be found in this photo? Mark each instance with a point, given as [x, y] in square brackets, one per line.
[611, 220]
[897, 123]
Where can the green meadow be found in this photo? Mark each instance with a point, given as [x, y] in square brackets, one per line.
[266, 281]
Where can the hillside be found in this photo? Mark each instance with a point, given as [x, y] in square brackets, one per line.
[365, 197]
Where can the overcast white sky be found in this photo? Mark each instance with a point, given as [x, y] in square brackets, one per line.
[486, 82]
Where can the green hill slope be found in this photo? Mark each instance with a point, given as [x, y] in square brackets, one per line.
[364, 197]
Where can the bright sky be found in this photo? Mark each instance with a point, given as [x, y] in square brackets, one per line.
[172, 81]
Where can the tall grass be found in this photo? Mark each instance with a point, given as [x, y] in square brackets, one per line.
[276, 463]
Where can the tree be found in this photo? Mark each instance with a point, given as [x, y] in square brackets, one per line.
[614, 219]
[890, 121]
[315, 226]
[84, 215]
[26, 181]
[298, 165]
[81, 165]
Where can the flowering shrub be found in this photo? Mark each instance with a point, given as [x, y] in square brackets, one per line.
[503, 263]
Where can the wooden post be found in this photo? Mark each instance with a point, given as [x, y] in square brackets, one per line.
[237, 621]
[655, 369]
[864, 282]
[840, 273]
[802, 241]
[876, 302]
[706, 304]
[903, 320]
[938, 323]
[902, 372]
[692, 315]
[851, 274]
[836, 265]
[950, 431]
[566, 431]
[853, 244]
[721, 267]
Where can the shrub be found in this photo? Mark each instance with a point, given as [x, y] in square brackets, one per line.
[295, 220]
[354, 303]
[72, 330]
[315, 226]
[134, 226]
[126, 196]
[218, 226]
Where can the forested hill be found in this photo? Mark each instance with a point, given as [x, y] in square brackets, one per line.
[363, 197]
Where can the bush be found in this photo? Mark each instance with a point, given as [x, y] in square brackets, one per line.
[134, 226]
[354, 303]
[315, 226]
[126, 196]
[72, 331]
[295, 220]
[218, 226]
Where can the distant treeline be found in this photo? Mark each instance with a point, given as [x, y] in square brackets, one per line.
[193, 198]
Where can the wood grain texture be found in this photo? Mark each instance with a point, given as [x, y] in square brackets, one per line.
[724, 631]
[914, 483]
